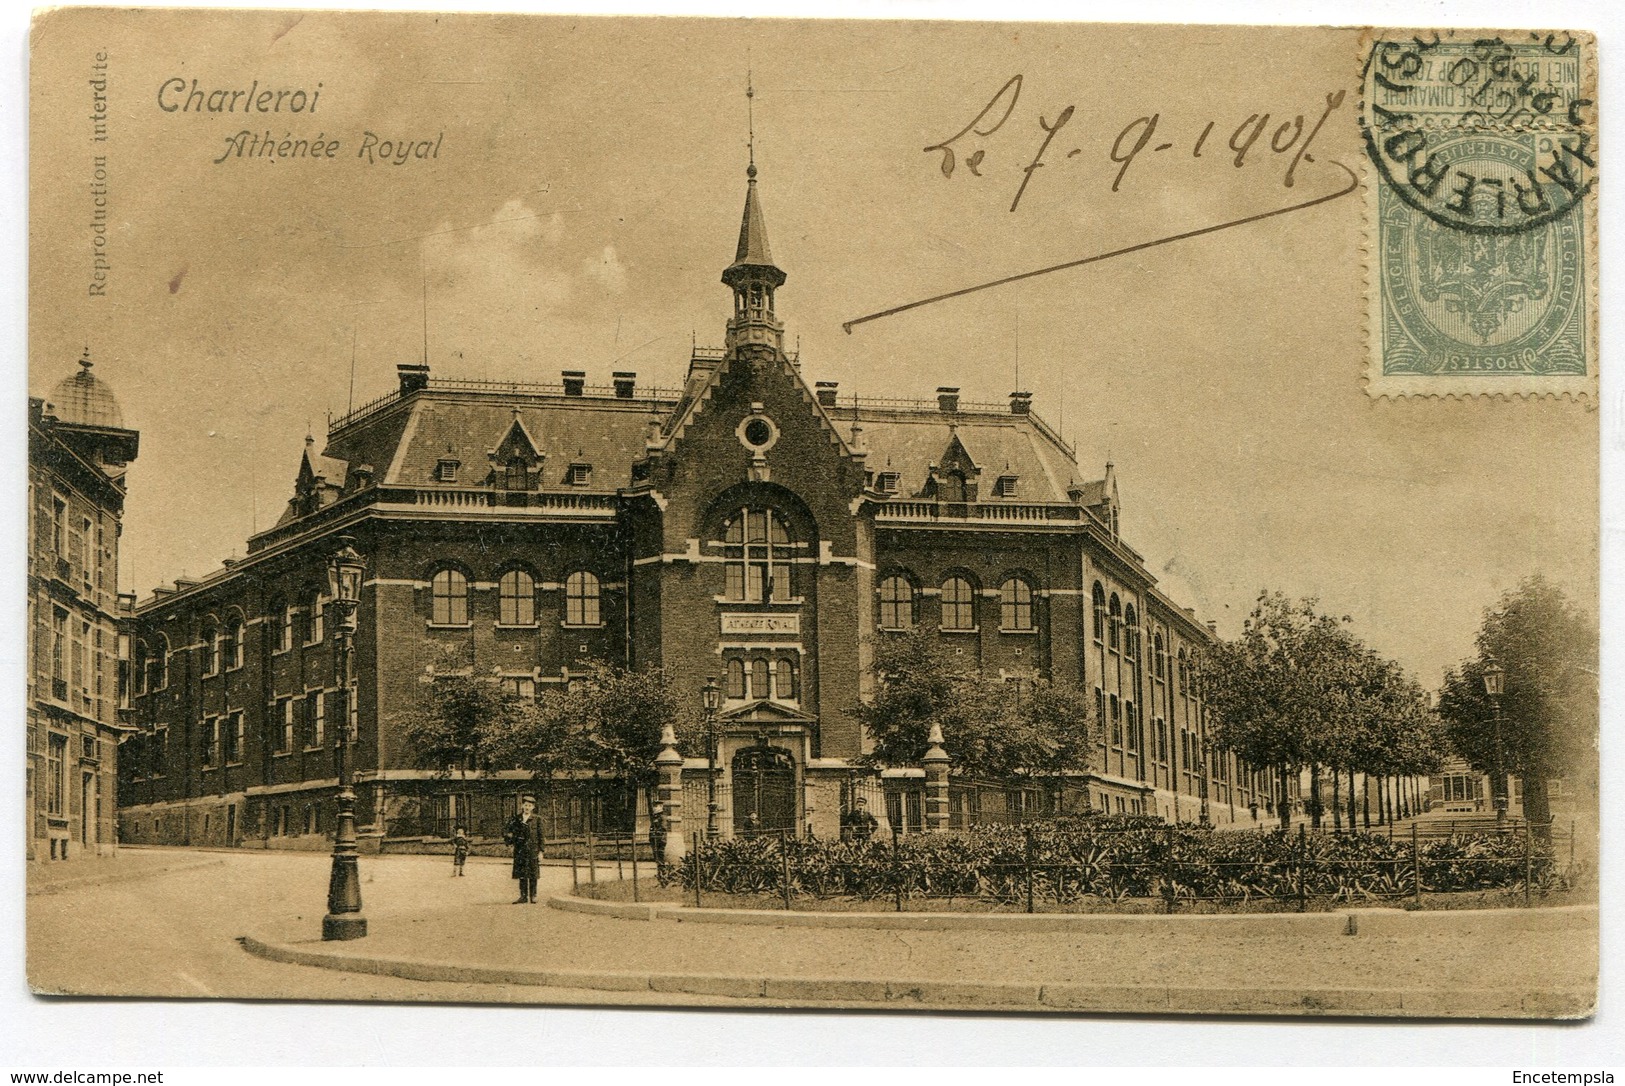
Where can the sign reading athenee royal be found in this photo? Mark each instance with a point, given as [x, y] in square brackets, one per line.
[761, 624]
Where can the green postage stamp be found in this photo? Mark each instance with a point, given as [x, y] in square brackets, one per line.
[1481, 213]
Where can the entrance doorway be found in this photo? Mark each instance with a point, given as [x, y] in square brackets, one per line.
[764, 791]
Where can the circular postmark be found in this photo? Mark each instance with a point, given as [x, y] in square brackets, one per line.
[1479, 134]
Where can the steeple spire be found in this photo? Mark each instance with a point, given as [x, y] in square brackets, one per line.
[753, 275]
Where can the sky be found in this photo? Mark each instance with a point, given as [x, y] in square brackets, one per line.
[585, 196]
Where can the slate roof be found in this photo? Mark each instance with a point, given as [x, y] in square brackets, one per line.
[909, 442]
[607, 433]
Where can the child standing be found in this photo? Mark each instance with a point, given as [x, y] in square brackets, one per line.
[459, 851]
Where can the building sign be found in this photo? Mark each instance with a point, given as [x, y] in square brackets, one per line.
[761, 624]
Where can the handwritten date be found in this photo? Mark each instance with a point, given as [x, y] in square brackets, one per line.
[1258, 136]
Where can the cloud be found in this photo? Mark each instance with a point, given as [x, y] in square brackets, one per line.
[607, 270]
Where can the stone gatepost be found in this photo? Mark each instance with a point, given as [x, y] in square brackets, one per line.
[669, 764]
[936, 782]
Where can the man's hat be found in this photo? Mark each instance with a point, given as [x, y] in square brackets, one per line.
[527, 799]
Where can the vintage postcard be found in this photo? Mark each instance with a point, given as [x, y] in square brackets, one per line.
[768, 513]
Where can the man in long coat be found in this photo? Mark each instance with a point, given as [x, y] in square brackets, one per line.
[524, 833]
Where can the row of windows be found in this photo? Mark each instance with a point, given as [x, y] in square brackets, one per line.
[293, 722]
[899, 604]
[516, 599]
[762, 677]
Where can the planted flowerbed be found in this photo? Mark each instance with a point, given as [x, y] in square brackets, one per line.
[1095, 862]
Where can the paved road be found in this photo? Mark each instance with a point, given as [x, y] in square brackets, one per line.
[179, 927]
[177, 915]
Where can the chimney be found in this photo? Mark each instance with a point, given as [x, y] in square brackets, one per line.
[625, 382]
[414, 377]
[574, 382]
[948, 400]
[1213, 627]
[826, 392]
[1021, 403]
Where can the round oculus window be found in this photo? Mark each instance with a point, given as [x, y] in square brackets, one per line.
[758, 432]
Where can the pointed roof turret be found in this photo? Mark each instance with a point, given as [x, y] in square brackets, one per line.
[752, 257]
[753, 260]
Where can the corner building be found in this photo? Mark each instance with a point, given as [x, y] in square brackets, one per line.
[748, 527]
[78, 452]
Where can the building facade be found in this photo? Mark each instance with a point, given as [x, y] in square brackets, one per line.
[748, 527]
[78, 450]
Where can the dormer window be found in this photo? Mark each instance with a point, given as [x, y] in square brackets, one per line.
[446, 470]
[517, 476]
[578, 474]
[1007, 486]
[888, 482]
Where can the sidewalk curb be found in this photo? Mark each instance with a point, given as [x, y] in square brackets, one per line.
[1373, 921]
[968, 995]
[109, 877]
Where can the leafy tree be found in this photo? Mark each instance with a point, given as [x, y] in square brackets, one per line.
[1549, 711]
[461, 724]
[1272, 691]
[1298, 688]
[611, 720]
[991, 729]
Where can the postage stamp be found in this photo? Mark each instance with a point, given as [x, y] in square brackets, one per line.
[1480, 213]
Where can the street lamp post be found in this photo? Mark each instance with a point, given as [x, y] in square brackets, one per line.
[711, 699]
[1494, 684]
[344, 919]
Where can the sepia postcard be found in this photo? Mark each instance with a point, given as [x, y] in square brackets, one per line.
[747, 513]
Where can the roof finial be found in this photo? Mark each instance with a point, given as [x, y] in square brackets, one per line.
[85, 360]
[750, 124]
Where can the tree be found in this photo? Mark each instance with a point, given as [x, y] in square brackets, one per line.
[1298, 688]
[611, 721]
[1549, 710]
[1271, 690]
[464, 724]
[991, 729]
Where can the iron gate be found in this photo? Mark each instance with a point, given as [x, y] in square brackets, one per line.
[764, 791]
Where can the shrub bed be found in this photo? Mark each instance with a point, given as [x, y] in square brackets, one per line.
[1092, 861]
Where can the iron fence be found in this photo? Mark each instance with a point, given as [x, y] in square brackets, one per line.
[1161, 867]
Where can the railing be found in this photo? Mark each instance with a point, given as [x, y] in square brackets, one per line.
[1137, 868]
[1022, 512]
[598, 505]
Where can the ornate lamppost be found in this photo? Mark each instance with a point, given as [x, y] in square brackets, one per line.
[711, 700]
[1494, 684]
[344, 919]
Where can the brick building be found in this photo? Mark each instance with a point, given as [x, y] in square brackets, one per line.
[748, 526]
[78, 449]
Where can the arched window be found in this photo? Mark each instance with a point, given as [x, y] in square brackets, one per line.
[448, 589]
[896, 603]
[211, 648]
[1131, 632]
[958, 604]
[1184, 671]
[759, 683]
[1114, 626]
[952, 487]
[787, 683]
[1015, 605]
[234, 642]
[1159, 655]
[756, 543]
[1100, 612]
[315, 626]
[516, 599]
[736, 678]
[582, 599]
